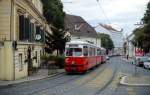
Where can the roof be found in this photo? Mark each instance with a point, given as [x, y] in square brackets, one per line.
[83, 43]
[77, 42]
[108, 27]
[77, 26]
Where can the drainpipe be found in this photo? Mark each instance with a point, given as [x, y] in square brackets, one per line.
[11, 20]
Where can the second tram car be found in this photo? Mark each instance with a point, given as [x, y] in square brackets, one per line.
[103, 55]
[82, 56]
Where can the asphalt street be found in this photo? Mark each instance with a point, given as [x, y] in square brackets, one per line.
[102, 80]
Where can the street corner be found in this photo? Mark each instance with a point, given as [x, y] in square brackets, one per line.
[131, 80]
[127, 60]
[36, 77]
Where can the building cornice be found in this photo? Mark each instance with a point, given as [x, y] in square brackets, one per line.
[35, 9]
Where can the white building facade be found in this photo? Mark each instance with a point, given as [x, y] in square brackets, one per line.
[130, 48]
[116, 36]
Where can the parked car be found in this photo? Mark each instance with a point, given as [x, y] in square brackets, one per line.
[140, 60]
[107, 57]
[147, 64]
[133, 61]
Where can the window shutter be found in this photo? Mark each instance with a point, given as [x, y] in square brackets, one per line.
[21, 27]
[27, 29]
[32, 32]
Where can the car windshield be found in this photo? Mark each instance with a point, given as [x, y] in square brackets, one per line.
[73, 52]
[144, 59]
[148, 59]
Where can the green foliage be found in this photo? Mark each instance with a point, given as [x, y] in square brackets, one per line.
[106, 41]
[53, 12]
[142, 35]
[146, 18]
[44, 57]
[59, 60]
[56, 41]
[137, 41]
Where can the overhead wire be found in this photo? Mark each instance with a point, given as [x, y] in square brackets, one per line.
[101, 8]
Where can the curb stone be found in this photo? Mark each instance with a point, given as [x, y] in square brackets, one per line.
[25, 81]
[129, 84]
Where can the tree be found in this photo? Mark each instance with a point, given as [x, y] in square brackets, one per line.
[53, 12]
[142, 34]
[146, 18]
[106, 41]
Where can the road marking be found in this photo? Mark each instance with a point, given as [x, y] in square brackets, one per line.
[89, 77]
[101, 79]
[130, 91]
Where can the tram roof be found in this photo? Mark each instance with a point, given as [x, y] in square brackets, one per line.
[80, 42]
[83, 43]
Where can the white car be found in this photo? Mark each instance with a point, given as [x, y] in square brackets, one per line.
[107, 57]
[147, 64]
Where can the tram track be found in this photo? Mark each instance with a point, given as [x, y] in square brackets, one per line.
[33, 85]
[86, 81]
[93, 78]
[109, 82]
[74, 80]
[54, 82]
[57, 84]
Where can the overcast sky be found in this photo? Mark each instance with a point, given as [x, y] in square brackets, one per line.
[118, 13]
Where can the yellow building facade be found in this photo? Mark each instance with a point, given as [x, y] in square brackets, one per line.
[22, 36]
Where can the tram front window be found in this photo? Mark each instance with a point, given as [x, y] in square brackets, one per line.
[73, 52]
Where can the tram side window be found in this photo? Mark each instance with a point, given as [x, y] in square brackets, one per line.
[90, 51]
[69, 52]
[85, 50]
[98, 52]
[77, 52]
[74, 52]
[102, 52]
[94, 52]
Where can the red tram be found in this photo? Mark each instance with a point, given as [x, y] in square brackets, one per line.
[82, 56]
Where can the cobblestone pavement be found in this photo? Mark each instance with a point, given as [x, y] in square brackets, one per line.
[103, 80]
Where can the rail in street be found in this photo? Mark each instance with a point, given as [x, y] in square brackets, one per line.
[102, 80]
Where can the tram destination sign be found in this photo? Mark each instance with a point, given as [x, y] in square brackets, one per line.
[73, 45]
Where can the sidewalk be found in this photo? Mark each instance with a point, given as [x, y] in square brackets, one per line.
[41, 74]
[132, 80]
[135, 80]
[127, 60]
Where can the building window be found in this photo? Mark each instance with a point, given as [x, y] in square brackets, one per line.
[20, 62]
[26, 29]
[36, 55]
[21, 27]
[40, 32]
[42, 36]
[32, 32]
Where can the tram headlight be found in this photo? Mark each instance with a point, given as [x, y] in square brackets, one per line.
[73, 63]
[67, 60]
